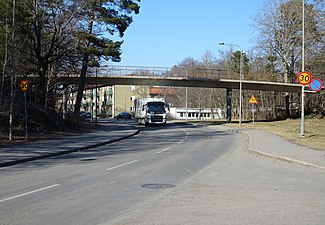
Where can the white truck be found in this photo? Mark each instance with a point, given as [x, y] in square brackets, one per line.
[150, 111]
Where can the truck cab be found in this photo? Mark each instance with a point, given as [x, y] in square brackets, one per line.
[150, 111]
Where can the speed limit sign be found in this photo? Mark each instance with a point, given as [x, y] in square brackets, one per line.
[24, 85]
[304, 78]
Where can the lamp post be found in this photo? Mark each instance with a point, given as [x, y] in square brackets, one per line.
[12, 75]
[186, 97]
[302, 122]
[96, 101]
[240, 77]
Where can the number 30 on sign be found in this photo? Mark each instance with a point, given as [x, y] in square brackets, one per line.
[304, 78]
[24, 85]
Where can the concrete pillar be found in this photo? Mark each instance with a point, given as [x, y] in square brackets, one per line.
[228, 100]
[287, 105]
[64, 101]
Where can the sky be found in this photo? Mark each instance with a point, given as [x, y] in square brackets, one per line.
[165, 32]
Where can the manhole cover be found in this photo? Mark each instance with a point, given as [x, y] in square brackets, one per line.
[158, 186]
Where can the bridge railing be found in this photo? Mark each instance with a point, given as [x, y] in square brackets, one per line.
[181, 72]
[163, 72]
[132, 71]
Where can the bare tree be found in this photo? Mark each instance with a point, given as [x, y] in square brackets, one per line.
[279, 28]
[45, 30]
[4, 59]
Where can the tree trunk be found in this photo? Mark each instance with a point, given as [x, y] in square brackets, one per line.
[81, 88]
[83, 75]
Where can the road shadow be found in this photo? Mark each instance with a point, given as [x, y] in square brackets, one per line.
[148, 138]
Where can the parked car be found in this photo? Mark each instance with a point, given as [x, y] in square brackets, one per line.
[124, 116]
[85, 115]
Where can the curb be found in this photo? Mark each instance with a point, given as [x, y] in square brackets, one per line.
[282, 158]
[19, 161]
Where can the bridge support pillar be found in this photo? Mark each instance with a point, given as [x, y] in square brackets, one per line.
[287, 105]
[228, 100]
[64, 101]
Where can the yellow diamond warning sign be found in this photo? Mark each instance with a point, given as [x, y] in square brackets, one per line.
[252, 100]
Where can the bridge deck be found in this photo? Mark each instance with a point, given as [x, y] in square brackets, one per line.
[184, 82]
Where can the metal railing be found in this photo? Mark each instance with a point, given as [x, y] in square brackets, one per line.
[181, 72]
[163, 72]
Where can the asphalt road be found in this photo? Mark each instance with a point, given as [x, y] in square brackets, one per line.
[165, 175]
[93, 186]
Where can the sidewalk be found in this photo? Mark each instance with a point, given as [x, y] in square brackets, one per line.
[271, 145]
[105, 134]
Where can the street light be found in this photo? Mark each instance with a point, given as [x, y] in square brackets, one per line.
[302, 120]
[186, 106]
[12, 75]
[240, 77]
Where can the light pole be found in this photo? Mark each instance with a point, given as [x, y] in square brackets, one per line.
[240, 77]
[12, 75]
[302, 122]
[186, 106]
[96, 101]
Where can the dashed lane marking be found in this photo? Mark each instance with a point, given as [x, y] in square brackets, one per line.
[29, 193]
[166, 149]
[121, 165]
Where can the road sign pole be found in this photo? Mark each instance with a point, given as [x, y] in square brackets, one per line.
[302, 120]
[302, 123]
[25, 100]
[253, 102]
[304, 78]
[24, 86]
[253, 111]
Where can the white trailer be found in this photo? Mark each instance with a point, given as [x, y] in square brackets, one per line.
[150, 111]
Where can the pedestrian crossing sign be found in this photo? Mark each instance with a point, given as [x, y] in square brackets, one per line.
[252, 100]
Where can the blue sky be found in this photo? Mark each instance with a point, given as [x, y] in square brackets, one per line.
[168, 31]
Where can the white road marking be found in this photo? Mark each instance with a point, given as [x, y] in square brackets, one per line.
[28, 193]
[180, 142]
[164, 150]
[124, 164]
[189, 171]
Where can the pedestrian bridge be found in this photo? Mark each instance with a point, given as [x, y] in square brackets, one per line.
[179, 77]
[175, 77]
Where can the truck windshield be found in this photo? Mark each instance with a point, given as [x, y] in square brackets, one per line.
[156, 107]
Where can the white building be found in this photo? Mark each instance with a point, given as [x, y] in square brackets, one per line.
[194, 114]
